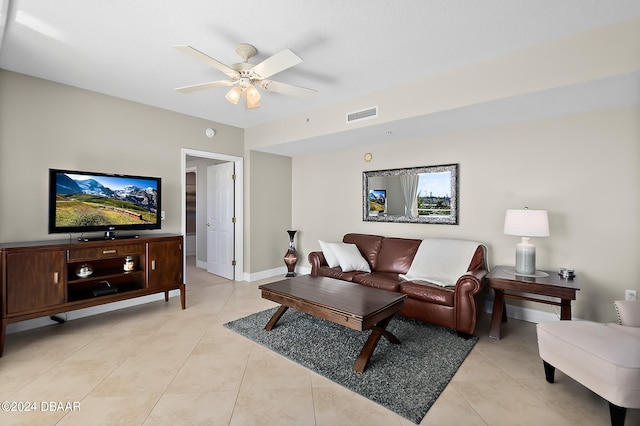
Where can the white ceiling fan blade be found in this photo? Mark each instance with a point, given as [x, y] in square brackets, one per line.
[276, 63]
[288, 89]
[207, 60]
[203, 86]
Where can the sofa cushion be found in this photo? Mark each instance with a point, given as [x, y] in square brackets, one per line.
[396, 255]
[337, 273]
[383, 280]
[369, 246]
[430, 293]
[331, 258]
[349, 257]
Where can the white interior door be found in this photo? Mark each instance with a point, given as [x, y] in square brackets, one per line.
[220, 220]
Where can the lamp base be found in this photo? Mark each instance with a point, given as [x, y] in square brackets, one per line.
[525, 257]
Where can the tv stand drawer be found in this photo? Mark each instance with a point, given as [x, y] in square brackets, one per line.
[104, 252]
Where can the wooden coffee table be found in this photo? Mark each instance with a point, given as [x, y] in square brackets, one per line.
[352, 305]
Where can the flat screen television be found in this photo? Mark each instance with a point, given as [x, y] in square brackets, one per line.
[82, 202]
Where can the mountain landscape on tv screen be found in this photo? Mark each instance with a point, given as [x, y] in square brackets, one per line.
[88, 202]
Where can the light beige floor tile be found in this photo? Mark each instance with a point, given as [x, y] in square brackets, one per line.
[335, 405]
[50, 343]
[479, 367]
[267, 370]
[209, 373]
[218, 340]
[193, 409]
[274, 407]
[16, 374]
[451, 409]
[111, 348]
[517, 360]
[38, 417]
[133, 378]
[507, 403]
[68, 381]
[117, 411]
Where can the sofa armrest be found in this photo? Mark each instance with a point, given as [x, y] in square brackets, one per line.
[316, 259]
[467, 287]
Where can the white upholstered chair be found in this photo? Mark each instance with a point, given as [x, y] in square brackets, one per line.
[602, 357]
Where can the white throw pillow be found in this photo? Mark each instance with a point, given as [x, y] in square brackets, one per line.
[331, 258]
[349, 257]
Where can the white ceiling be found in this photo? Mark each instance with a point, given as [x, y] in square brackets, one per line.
[123, 48]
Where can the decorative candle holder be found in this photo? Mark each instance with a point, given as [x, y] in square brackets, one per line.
[291, 256]
[129, 264]
[85, 270]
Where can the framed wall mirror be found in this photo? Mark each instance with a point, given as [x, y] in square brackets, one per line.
[412, 195]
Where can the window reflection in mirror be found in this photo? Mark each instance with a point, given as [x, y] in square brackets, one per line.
[411, 195]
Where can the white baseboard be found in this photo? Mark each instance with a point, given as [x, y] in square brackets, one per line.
[524, 314]
[270, 273]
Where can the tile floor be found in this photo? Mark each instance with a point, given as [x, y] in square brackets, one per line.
[155, 364]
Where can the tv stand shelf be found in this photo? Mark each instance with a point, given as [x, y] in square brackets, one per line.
[45, 278]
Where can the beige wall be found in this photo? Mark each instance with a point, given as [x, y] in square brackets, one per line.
[48, 125]
[269, 204]
[584, 169]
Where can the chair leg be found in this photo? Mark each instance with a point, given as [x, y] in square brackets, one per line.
[549, 372]
[617, 414]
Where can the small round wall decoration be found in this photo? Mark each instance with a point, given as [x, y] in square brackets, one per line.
[368, 157]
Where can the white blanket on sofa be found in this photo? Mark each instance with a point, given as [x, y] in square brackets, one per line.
[441, 261]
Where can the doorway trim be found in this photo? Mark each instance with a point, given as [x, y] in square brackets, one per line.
[238, 201]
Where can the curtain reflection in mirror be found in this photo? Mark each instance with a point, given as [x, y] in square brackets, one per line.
[409, 183]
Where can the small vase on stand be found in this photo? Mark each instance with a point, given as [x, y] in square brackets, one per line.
[291, 256]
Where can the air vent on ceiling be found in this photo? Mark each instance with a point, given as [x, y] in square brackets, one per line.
[362, 114]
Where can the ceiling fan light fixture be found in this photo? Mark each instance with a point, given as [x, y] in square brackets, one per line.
[252, 93]
[244, 76]
[234, 94]
[251, 104]
[253, 96]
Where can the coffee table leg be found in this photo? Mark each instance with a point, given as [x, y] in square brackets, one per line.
[377, 331]
[274, 319]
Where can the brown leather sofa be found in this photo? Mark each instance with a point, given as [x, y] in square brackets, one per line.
[453, 307]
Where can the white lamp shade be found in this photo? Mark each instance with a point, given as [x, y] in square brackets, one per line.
[527, 223]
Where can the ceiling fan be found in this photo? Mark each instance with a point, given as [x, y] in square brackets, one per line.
[244, 76]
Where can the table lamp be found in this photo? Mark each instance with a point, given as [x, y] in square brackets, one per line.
[526, 223]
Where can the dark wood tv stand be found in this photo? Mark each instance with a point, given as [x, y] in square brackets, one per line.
[41, 279]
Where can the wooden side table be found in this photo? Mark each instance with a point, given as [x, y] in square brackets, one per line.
[506, 283]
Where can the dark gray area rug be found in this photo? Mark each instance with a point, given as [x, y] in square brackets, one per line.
[405, 378]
